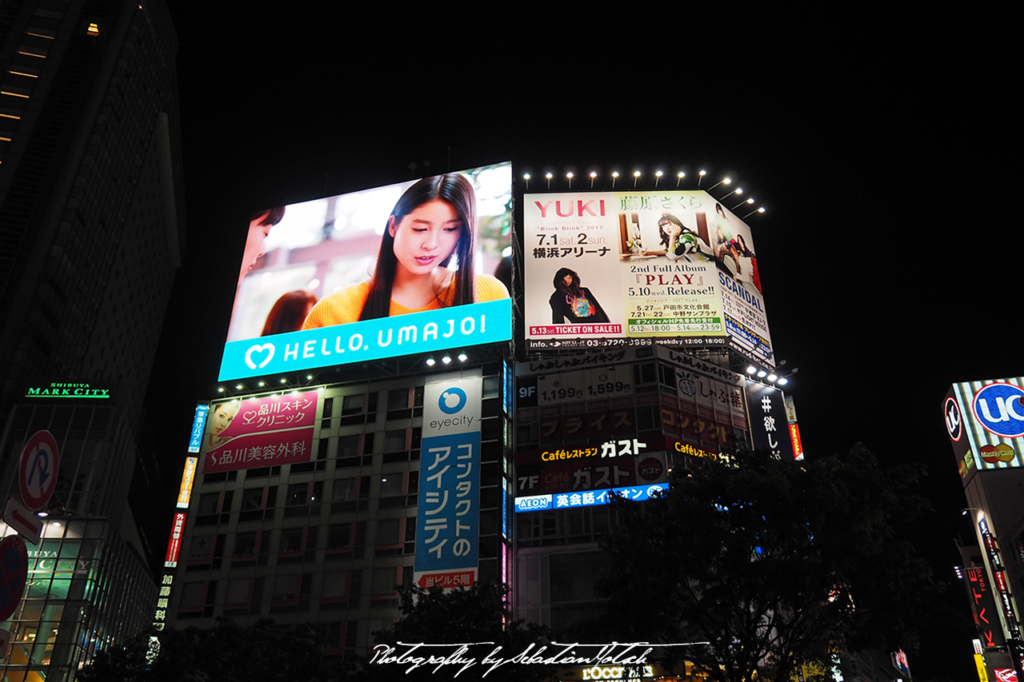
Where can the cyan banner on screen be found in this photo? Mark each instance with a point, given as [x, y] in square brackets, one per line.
[425, 332]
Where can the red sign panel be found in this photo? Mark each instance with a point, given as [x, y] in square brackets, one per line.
[448, 580]
[174, 544]
[13, 574]
[37, 470]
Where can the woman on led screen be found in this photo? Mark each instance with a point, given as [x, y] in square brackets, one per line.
[220, 419]
[433, 223]
[574, 303]
[289, 312]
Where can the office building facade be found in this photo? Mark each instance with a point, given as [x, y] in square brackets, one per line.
[91, 235]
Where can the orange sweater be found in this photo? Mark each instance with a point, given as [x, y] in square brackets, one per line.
[346, 305]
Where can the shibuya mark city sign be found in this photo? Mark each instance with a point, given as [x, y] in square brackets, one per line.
[66, 390]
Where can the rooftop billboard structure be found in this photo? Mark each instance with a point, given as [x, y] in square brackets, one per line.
[625, 268]
[985, 424]
[389, 271]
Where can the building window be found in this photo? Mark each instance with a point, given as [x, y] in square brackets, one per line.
[388, 531]
[335, 585]
[239, 592]
[303, 499]
[292, 546]
[286, 587]
[398, 489]
[385, 581]
[292, 540]
[347, 539]
[246, 544]
[214, 508]
[350, 494]
[258, 503]
[396, 440]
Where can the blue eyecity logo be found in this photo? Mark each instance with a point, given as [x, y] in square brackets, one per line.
[452, 400]
[1000, 409]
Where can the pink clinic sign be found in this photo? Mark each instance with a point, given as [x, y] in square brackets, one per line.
[260, 432]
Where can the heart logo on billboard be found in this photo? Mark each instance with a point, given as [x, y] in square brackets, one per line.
[259, 349]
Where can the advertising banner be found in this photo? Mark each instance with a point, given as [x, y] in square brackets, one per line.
[174, 543]
[551, 502]
[768, 423]
[585, 472]
[195, 440]
[985, 424]
[188, 477]
[448, 522]
[260, 432]
[389, 271]
[676, 266]
[983, 606]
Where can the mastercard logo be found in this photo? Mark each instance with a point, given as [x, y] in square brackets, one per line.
[994, 454]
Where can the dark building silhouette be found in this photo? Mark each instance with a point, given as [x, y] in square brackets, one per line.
[91, 234]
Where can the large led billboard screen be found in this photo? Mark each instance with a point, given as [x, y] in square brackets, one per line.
[985, 424]
[623, 268]
[389, 271]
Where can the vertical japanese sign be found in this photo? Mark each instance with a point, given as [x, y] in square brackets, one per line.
[983, 606]
[174, 543]
[768, 423]
[447, 525]
[999, 579]
[794, 429]
[188, 477]
[195, 440]
[260, 432]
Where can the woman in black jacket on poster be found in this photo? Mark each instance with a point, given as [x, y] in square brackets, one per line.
[573, 304]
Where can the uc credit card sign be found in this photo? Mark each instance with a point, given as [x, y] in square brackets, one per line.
[424, 332]
[448, 522]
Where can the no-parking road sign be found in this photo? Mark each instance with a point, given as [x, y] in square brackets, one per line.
[13, 574]
[37, 470]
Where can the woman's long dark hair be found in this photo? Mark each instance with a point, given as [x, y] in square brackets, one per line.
[669, 218]
[571, 289]
[457, 192]
[289, 312]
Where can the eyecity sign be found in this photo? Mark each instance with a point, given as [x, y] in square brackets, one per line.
[67, 390]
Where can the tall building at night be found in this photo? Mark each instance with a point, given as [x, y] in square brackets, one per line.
[317, 479]
[985, 424]
[91, 235]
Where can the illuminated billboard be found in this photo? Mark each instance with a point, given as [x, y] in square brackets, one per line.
[260, 432]
[623, 268]
[985, 424]
[448, 523]
[389, 271]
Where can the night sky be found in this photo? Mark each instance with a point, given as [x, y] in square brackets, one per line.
[879, 143]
